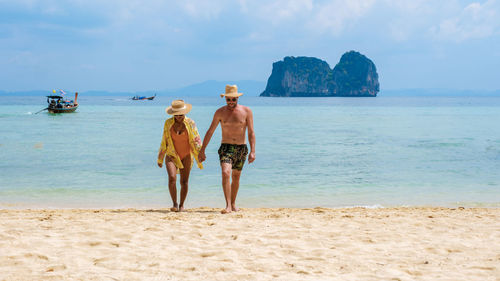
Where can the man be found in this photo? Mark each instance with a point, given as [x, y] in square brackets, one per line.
[234, 119]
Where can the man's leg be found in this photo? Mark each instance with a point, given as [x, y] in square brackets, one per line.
[172, 178]
[186, 162]
[235, 185]
[226, 185]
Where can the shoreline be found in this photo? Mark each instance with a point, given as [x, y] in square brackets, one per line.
[23, 207]
[405, 243]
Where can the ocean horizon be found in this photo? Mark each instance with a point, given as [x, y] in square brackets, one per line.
[310, 152]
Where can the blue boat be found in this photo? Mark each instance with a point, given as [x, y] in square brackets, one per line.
[143, 97]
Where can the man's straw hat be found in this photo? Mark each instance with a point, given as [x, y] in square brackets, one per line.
[178, 107]
[231, 91]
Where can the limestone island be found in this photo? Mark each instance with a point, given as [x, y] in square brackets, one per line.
[354, 76]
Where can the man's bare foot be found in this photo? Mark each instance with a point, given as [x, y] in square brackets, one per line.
[181, 209]
[226, 211]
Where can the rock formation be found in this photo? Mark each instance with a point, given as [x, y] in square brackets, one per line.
[354, 76]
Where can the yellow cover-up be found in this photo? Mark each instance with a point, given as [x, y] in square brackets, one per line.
[167, 145]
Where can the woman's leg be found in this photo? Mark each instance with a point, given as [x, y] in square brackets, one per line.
[186, 162]
[172, 178]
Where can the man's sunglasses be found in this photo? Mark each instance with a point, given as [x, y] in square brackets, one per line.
[229, 99]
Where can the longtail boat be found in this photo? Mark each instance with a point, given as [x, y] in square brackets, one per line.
[143, 97]
[57, 104]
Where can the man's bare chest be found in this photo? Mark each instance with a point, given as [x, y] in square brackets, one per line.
[234, 119]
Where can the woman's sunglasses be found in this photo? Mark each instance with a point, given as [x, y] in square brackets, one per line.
[229, 99]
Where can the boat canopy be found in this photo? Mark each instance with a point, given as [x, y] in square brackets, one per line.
[55, 97]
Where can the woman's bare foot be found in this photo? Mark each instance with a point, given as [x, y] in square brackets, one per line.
[175, 208]
[234, 209]
[181, 208]
[226, 211]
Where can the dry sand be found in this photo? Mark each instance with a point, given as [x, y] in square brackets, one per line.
[253, 244]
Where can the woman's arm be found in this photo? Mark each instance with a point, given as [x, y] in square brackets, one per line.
[163, 146]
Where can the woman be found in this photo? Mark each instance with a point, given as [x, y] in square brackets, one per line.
[180, 143]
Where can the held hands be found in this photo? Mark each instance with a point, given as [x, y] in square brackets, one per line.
[251, 157]
[160, 164]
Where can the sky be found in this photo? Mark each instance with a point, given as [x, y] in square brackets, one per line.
[140, 45]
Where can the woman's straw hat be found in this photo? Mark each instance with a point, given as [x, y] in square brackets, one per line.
[178, 107]
[231, 91]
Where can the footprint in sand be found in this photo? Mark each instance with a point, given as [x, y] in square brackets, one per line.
[37, 256]
[483, 267]
[100, 261]
[152, 229]
[207, 255]
[53, 268]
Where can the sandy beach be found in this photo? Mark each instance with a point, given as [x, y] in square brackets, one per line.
[253, 244]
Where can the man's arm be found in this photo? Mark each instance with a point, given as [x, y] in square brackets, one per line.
[208, 136]
[251, 136]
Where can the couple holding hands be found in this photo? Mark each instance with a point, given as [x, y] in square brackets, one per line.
[181, 143]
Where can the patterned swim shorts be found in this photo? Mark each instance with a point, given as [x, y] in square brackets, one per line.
[234, 154]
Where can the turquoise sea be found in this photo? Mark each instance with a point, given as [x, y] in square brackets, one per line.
[330, 152]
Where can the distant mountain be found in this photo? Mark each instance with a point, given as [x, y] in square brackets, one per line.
[438, 93]
[203, 89]
[214, 88]
[26, 93]
[355, 75]
[253, 88]
[68, 93]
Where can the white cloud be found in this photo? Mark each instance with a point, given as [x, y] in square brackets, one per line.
[407, 19]
[412, 6]
[475, 21]
[306, 16]
[275, 12]
[282, 10]
[203, 9]
[334, 16]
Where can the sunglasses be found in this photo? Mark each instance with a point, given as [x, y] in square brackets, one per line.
[229, 99]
